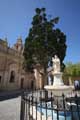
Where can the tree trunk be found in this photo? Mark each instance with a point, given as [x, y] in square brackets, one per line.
[44, 80]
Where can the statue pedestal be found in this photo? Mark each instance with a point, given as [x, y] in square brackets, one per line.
[58, 79]
[58, 88]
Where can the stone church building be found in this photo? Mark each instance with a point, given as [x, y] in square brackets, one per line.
[12, 75]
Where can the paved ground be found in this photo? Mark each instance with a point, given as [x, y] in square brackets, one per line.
[10, 109]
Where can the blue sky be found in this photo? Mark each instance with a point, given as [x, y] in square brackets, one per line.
[16, 17]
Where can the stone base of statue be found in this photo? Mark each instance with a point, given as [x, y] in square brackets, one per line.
[58, 88]
[58, 79]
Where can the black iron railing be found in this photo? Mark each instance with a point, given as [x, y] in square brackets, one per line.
[43, 105]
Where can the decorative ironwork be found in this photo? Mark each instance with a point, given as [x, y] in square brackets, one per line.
[33, 105]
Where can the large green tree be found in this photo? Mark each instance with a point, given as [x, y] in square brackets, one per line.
[43, 42]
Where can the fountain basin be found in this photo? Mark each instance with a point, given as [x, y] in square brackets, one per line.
[58, 90]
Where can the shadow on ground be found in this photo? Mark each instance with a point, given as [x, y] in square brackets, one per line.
[10, 94]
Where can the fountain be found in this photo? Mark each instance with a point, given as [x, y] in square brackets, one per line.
[58, 88]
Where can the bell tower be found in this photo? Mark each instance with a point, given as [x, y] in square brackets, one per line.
[19, 45]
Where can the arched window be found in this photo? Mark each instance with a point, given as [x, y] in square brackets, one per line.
[32, 84]
[12, 76]
[0, 78]
[22, 83]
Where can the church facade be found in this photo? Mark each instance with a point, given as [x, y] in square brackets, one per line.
[12, 75]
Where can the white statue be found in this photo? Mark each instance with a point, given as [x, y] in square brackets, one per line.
[56, 64]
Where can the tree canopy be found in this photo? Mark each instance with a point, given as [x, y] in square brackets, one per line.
[43, 41]
[72, 69]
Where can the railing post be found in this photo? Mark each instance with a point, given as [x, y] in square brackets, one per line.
[22, 110]
[52, 105]
[77, 103]
[46, 98]
[36, 108]
[29, 108]
[41, 103]
[57, 110]
[71, 110]
[64, 108]
[32, 103]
